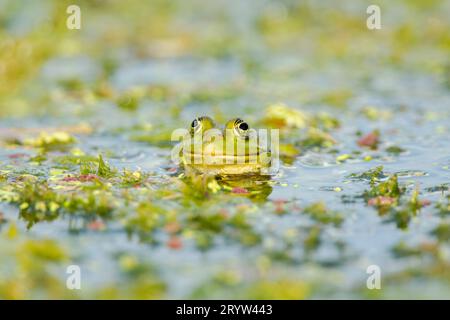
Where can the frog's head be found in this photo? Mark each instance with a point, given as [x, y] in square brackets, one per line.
[235, 149]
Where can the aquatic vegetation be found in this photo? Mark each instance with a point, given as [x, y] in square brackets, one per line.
[131, 178]
[69, 161]
[138, 289]
[396, 150]
[389, 188]
[312, 240]
[103, 169]
[325, 121]
[408, 210]
[147, 218]
[402, 250]
[320, 213]
[337, 98]
[390, 198]
[442, 232]
[33, 258]
[130, 100]
[317, 138]
[39, 202]
[375, 114]
[289, 120]
[52, 141]
[371, 140]
[85, 139]
[288, 152]
[444, 206]
[281, 116]
[373, 175]
[280, 289]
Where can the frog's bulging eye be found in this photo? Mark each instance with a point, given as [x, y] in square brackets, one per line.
[196, 126]
[241, 128]
[201, 124]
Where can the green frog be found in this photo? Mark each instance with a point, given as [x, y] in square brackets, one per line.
[231, 151]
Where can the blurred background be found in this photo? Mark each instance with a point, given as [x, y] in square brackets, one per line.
[136, 70]
[269, 49]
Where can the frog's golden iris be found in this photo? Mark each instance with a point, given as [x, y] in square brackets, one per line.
[234, 150]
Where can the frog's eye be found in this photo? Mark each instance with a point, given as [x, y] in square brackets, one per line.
[201, 124]
[195, 124]
[243, 126]
[240, 128]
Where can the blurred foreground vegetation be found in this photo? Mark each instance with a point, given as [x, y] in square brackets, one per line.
[74, 106]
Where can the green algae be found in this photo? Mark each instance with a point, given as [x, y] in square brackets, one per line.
[320, 213]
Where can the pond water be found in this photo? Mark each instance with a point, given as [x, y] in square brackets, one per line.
[139, 228]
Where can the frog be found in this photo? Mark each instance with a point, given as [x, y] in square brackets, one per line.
[233, 150]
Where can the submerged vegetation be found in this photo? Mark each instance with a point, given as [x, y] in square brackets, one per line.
[85, 139]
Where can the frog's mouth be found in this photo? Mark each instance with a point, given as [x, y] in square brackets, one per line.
[259, 158]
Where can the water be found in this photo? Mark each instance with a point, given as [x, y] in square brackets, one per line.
[309, 70]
